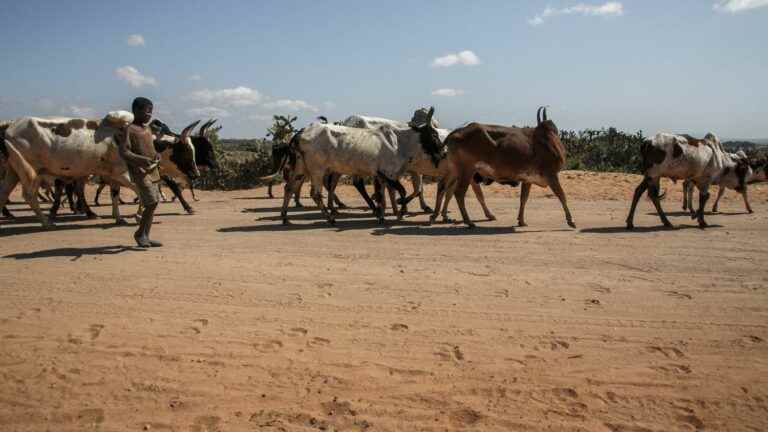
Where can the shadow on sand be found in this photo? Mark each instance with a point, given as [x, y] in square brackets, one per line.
[74, 253]
[640, 230]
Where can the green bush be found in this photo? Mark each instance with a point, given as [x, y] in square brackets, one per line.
[602, 150]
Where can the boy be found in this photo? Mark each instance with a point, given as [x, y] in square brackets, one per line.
[138, 151]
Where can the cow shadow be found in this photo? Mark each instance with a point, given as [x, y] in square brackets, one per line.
[421, 229]
[74, 253]
[641, 229]
[308, 216]
[362, 223]
[37, 228]
[292, 210]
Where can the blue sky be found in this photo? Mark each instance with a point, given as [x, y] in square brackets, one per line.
[682, 66]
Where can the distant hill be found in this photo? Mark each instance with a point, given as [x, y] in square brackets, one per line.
[745, 145]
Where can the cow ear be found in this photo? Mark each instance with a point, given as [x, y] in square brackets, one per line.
[430, 114]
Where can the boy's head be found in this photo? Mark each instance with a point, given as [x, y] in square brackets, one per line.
[142, 110]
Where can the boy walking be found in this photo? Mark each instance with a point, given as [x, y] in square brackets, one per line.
[138, 151]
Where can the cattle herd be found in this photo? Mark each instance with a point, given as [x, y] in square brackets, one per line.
[62, 154]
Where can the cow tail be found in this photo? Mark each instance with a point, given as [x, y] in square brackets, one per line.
[3, 149]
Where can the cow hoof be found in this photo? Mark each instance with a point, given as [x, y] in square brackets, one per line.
[471, 225]
[750, 211]
[447, 220]
[630, 227]
[715, 211]
[380, 221]
[490, 217]
[522, 224]
[427, 209]
[190, 211]
[668, 226]
[332, 222]
[703, 224]
[571, 224]
[92, 215]
[285, 221]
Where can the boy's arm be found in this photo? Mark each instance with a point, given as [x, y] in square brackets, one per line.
[131, 158]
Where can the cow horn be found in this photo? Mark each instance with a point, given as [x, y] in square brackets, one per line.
[185, 133]
[205, 126]
[538, 115]
[430, 114]
[545, 113]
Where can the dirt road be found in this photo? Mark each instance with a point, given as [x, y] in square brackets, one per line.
[239, 323]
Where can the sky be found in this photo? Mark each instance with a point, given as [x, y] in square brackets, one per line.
[691, 66]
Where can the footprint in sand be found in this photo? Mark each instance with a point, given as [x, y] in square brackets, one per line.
[269, 346]
[95, 330]
[299, 331]
[678, 295]
[668, 352]
[318, 341]
[398, 327]
[202, 321]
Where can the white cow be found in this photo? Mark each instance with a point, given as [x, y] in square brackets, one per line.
[725, 182]
[383, 153]
[39, 149]
[422, 165]
[682, 157]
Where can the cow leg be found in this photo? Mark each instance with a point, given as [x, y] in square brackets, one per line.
[297, 192]
[98, 192]
[359, 184]
[192, 191]
[82, 204]
[392, 186]
[525, 191]
[639, 191]
[746, 200]
[381, 207]
[465, 178]
[162, 195]
[114, 193]
[438, 200]
[177, 193]
[30, 195]
[720, 193]
[316, 181]
[58, 186]
[554, 184]
[703, 197]
[418, 184]
[269, 190]
[291, 183]
[481, 199]
[10, 180]
[686, 205]
[331, 180]
[7, 213]
[653, 191]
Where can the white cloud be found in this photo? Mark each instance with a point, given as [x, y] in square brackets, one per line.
[133, 77]
[195, 77]
[79, 111]
[610, 8]
[135, 40]
[238, 96]
[448, 92]
[734, 6]
[467, 58]
[209, 111]
[260, 117]
[291, 105]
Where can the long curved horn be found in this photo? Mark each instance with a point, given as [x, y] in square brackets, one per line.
[429, 115]
[545, 113]
[538, 115]
[205, 126]
[187, 130]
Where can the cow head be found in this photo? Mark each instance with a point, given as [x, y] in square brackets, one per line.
[183, 153]
[546, 132]
[205, 156]
[430, 138]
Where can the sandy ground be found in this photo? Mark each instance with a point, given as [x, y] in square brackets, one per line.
[239, 323]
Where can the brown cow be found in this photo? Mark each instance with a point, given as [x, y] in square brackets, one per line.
[506, 154]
